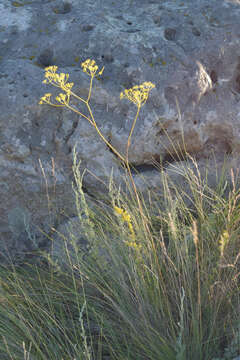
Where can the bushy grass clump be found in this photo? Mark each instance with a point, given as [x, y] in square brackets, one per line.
[167, 287]
[159, 279]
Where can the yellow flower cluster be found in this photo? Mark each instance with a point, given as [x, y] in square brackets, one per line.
[133, 245]
[126, 218]
[59, 80]
[45, 98]
[138, 94]
[90, 68]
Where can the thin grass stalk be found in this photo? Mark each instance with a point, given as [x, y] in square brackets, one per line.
[196, 242]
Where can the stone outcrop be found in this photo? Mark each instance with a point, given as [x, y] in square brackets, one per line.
[190, 50]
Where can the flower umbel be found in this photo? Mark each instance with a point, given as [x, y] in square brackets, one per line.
[59, 79]
[138, 94]
[45, 98]
[90, 68]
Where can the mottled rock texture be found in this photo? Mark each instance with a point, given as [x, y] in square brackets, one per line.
[189, 49]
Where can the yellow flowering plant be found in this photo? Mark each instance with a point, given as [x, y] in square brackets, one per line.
[126, 218]
[138, 95]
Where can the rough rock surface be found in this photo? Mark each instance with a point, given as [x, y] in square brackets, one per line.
[189, 49]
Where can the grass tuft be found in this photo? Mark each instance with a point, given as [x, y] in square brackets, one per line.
[175, 295]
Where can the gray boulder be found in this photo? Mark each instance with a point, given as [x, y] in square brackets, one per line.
[189, 50]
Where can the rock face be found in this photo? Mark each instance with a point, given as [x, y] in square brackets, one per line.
[190, 50]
